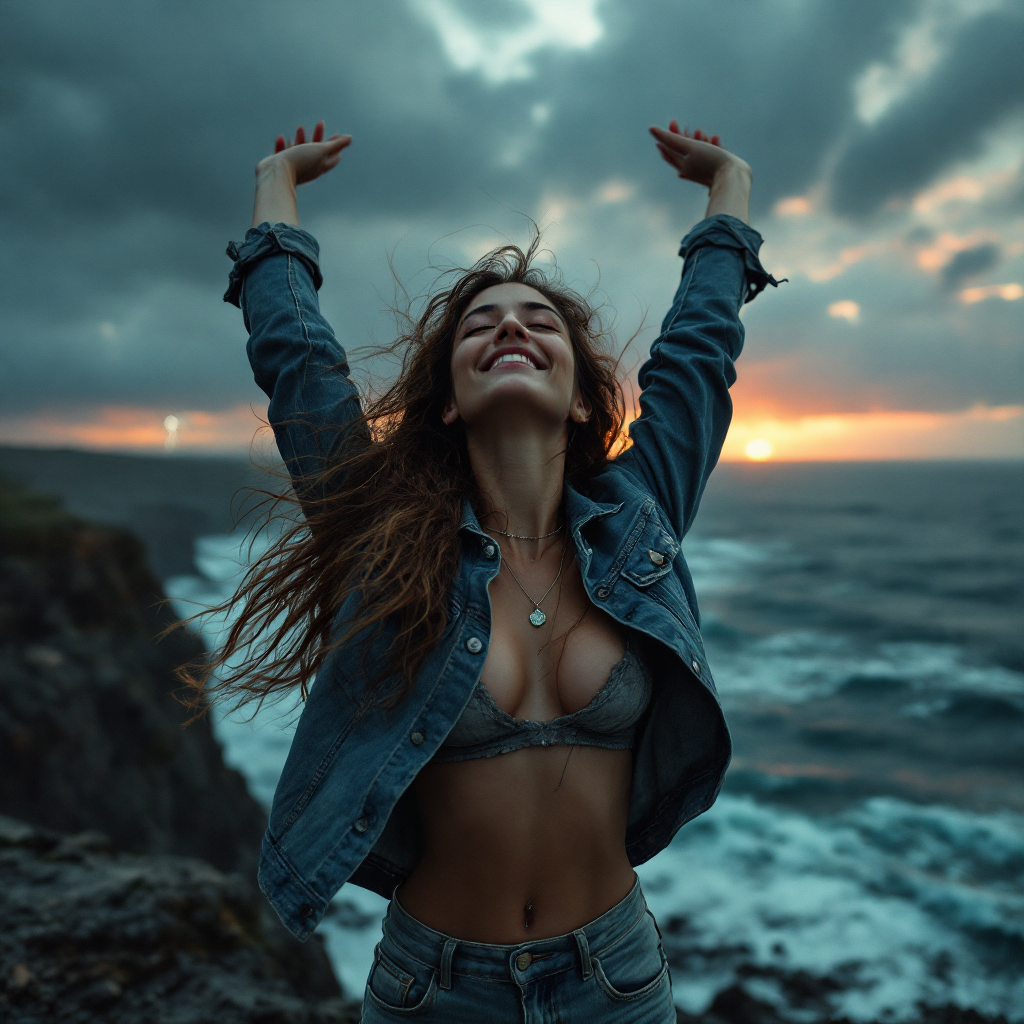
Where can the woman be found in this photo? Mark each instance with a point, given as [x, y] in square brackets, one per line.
[512, 705]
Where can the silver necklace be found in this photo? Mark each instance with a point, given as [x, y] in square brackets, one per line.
[537, 617]
[519, 536]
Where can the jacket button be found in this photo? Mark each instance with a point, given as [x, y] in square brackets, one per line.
[602, 593]
[361, 824]
[416, 739]
[523, 961]
[656, 557]
[474, 645]
[489, 550]
[306, 911]
[695, 665]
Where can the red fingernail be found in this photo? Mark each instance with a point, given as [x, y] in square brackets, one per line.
[714, 140]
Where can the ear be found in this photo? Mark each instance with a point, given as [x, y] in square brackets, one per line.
[581, 410]
[451, 413]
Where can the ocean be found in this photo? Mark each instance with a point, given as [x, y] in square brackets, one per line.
[866, 857]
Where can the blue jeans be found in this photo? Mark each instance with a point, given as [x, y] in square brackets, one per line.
[611, 971]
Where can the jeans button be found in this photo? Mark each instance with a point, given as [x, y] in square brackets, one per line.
[416, 739]
[523, 961]
[361, 824]
[474, 645]
[695, 665]
[489, 550]
[602, 593]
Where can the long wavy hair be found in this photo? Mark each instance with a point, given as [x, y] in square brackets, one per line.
[379, 524]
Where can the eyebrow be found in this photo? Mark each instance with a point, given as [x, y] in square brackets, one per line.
[491, 307]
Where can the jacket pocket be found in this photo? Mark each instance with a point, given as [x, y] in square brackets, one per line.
[653, 554]
[399, 984]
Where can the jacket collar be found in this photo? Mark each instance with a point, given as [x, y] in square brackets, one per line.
[578, 508]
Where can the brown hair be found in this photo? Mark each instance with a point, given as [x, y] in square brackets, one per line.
[380, 523]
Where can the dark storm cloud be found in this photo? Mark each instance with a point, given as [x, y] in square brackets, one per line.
[969, 263]
[773, 80]
[944, 120]
[166, 109]
[128, 134]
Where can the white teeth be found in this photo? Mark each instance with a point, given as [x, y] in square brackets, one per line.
[512, 357]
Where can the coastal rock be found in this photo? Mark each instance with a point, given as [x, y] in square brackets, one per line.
[90, 934]
[91, 736]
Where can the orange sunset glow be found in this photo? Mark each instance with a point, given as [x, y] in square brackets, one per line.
[977, 432]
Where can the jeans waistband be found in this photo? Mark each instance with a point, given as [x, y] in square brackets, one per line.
[521, 961]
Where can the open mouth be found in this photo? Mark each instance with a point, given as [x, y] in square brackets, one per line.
[512, 357]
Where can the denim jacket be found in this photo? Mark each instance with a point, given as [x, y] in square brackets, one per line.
[342, 811]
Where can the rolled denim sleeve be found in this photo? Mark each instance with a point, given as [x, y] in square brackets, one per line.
[294, 354]
[685, 406]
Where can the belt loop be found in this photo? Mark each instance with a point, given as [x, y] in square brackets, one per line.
[446, 963]
[584, 947]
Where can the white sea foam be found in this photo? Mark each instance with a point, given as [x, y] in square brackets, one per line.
[799, 666]
[719, 564]
[895, 904]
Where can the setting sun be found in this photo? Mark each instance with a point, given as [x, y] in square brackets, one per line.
[759, 449]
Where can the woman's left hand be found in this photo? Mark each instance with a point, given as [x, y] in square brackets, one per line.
[695, 157]
[703, 160]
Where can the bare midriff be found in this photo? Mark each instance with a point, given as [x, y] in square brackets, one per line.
[502, 835]
[531, 843]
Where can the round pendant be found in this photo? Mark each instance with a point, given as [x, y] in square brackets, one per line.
[537, 617]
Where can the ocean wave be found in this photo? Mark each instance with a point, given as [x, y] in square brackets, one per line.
[804, 665]
[866, 915]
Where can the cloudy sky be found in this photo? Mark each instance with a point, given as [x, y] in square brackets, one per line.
[886, 137]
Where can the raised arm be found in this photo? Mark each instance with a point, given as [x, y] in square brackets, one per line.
[685, 408]
[294, 355]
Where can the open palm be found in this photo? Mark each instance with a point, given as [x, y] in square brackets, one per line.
[307, 161]
[695, 157]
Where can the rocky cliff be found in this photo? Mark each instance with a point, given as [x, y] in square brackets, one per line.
[91, 738]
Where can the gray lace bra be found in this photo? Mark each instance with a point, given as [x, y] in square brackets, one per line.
[609, 720]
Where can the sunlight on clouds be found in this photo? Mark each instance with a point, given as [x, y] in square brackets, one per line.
[883, 83]
[847, 258]
[935, 256]
[502, 55]
[981, 431]
[961, 188]
[846, 309]
[1009, 292]
[134, 428]
[794, 206]
[615, 192]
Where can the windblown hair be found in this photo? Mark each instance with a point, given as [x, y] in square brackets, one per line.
[380, 524]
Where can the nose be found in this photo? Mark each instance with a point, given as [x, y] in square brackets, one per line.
[510, 329]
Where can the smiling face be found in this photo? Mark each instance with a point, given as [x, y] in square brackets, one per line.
[512, 356]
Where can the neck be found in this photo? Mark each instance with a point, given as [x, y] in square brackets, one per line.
[520, 476]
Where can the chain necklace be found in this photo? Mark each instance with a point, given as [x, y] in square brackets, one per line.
[518, 536]
[537, 617]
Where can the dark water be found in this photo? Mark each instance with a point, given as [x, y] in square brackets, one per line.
[864, 625]
[868, 622]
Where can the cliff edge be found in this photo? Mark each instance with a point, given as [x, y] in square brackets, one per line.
[92, 740]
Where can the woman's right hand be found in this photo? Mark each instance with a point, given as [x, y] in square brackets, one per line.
[305, 161]
[291, 164]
